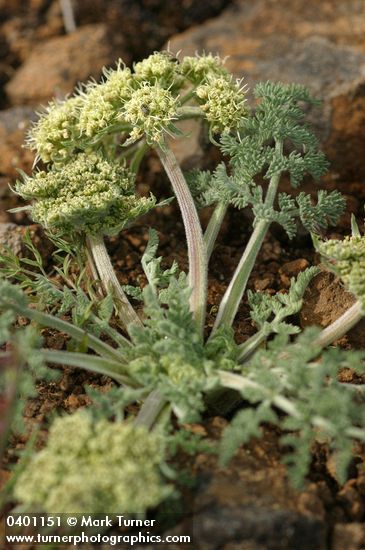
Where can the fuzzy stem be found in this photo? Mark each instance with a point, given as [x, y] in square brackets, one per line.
[251, 344]
[240, 383]
[150, 410]
[110, 282]
[194, 236]
[233, 295]
[189, 112]
[340, 327]
[83, 361]
[214, 226]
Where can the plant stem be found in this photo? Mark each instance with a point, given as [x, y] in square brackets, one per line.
[233, 295]
[340, 327]
[150, 410]
[142, 147]
[194, 236]
[76, 333]
[189, 95]
[10, 369]
[189, 112]
[214, 226]
[68, 16]
[83, 361]
[240, 383]
[110, 282]
[251, 344]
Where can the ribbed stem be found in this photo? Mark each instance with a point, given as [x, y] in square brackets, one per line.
[214, 225]
[194, 236]
[340, 327]
[233, 295]
[251, 344]
[110, 281]
[87, 362]
[150, 410]
[78, 334]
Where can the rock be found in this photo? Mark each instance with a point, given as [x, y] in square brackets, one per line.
[14, 123]
[349, 536]
[292, 269]
[316, 44]
[11, 236]
[250, 502]
[324, 301]
[256, 529]
[352, 501]
[56, 65]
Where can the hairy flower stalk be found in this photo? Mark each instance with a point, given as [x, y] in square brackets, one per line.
[110, 281]
[341, 326]
[234, 293]
[196, 247]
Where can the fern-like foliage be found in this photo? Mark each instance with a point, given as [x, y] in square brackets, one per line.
[168, 354]
[24, 368]
[268, 312]
[288, 377]
[274, 140]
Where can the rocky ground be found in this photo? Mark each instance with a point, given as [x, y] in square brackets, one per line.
[250, 505]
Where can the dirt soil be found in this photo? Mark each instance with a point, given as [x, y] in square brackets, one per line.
[250, 505]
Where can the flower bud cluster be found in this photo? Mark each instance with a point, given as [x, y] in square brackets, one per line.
[159, 68]
[348, 256]
[101, 103]
[142, 102]
[150, 111]
[99, 466]
[223, 102]
[89, 194]
[56, 132]
[197, 68]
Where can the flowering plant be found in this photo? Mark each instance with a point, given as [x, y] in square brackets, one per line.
[92, 145]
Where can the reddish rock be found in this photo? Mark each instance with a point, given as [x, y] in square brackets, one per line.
[325, 300]
[292, 269]
[318, 44]
[14, 124]
[349, 536]
[56, 65]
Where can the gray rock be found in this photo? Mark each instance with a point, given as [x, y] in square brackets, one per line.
[318, 44]
[11, 236]
[56, 65]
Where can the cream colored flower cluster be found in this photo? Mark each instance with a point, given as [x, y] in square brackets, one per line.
[223, 102]
[88, 194]
[100, 467]
[142, 102]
